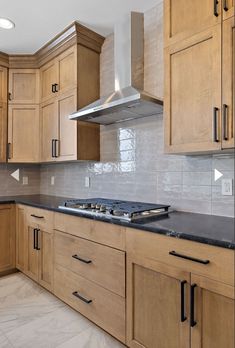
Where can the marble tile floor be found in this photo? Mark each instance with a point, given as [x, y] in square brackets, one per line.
[31, 317]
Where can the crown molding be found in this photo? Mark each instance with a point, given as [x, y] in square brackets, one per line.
[70, 36]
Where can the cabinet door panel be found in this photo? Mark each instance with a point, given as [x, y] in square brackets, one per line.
[67, 104]
[49, 129]
[3, 131]
[48, 77]
[67, 67]
[20, 238]
[23, 133]
[228, 57]
[186, 18]
[214, 314]
[193, 90]
[46, 259]
[31, 261]
[7, 237]
[154, 305]
[3, 85]
[24, 86]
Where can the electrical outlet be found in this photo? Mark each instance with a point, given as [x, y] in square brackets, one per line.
[87, 181]
[25, 180]
[227, 187]
[52, 180]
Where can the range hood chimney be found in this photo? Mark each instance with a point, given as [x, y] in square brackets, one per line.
[129, 101]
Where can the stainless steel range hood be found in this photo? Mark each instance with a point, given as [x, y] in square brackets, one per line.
[129, 100]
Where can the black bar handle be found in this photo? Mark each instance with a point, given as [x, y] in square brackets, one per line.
[76, 294]
[53, 148]
[34, 239]
[81, 259]
[9, 96]
[37, 239]
[192, 309]
[225, 6]
[9, 151]
[56, 147]
[37, 216]
[216, 136]
[56, 87]
[190, 258]
[182, 295]
[216, 14]
[225, 122]
[53, 88]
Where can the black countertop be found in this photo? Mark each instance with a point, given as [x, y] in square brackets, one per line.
[207, 229]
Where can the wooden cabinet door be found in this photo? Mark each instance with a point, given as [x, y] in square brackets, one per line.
[154, 304]
[213, 314]
[67, 104]
[7, 237]
[48, 77]
[23, 133]
[228, 86]
[23, 86]
[46, 259]
[49, 130]
[20, 238]
[228, 9]
[192, 103]
[3, 84]
[3, 131]
[32, 254]
[183, 19]
[67, 68]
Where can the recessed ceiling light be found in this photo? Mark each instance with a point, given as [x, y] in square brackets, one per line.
[6, 23]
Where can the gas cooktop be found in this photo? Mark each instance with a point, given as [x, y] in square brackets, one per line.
[115, 209]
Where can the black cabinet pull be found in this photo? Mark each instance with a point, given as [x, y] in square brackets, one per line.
[56, 148]
[9, 96]
[34, 239]
[182, 315]
[37, 216]
[215, 114]
[53, 148]
[37, 239]
[192, 309]
[53, 88]
[225, 122]
[76, 294]
[225, 6]
[216, 8]
[81, 259]
[56, 87]
[190, 258]
[9, 151]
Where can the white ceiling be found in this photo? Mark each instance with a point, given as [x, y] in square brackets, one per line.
[39, 21]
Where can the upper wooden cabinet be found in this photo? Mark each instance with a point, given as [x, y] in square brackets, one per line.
[3, 84]
[3, 131]
[186, 18]
[48, 79]
[193, 93]
[228, 84]
[228, 9]
[23, 134]
[23, 86]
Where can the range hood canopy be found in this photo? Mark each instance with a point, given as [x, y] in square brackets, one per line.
[129, 101]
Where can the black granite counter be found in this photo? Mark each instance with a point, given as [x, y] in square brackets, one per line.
[207, 229]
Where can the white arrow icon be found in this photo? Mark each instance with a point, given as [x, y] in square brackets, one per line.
[16, 175]
[217, 174]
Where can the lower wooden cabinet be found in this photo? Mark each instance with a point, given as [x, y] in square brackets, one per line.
[7, 237]
[20, 237]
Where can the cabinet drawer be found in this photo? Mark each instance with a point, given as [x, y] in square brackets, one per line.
[100, 232]
[93, 261]
[41, 217]
[105, 309]
[158, 247]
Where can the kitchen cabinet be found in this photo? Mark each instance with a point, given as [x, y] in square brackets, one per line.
[184, 19]
[7, 238]
[3, 84]
[38, 245]
[155, 316]
[228, 9]
[23, 86]
[23, 133]
[193, 93]
[3, 131]
[20, 238]
[228, 84]
[179, 293]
